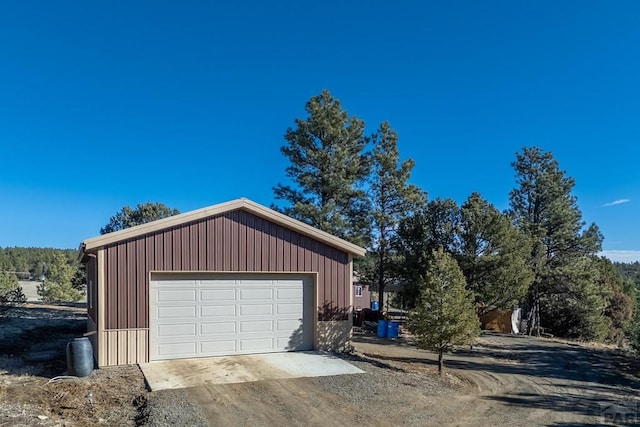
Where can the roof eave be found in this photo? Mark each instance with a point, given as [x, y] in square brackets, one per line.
[98, 242]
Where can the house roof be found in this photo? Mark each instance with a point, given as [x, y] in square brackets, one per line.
[94, 243]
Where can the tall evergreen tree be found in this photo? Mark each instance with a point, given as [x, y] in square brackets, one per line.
[431, 228]
[328, 167]
[142, 214]
[619, 294]
[445, 315]
[58, 283]
[542, 205]
[493, 255]
[391, 199]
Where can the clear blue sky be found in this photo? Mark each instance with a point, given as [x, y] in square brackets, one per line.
[106, 104]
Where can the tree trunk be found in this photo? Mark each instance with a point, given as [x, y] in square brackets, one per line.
[531, 315]
[533, 318]
[537, 314]
[440, 361]
[381, 283]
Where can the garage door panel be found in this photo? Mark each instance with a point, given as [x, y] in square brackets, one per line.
[176, 312]
[177, 330]
[288, 344]
[218, 347]
[256, 326]
[218, 295]
[240, 316]
[176, 295]
[257, 344]
[178, 349]
[256, 294]
[256, 309]
[210, 328]
[290, 293]
[214, 311]
[290, 309]
[288, 325]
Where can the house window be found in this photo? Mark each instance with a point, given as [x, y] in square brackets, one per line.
[358, 291]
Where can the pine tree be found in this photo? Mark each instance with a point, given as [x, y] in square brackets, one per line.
[58, 286]
[328, 167]
[431, 228]
[391, 199]
[542, 206]
[142, 214]
[10, 291]
[493, 255]
[445, 314]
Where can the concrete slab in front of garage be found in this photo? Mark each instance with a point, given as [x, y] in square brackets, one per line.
[183, 373]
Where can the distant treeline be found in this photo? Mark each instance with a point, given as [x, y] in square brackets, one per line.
[28, 263]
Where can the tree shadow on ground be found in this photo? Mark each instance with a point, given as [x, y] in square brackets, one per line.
[575, 403]
[371, 360]
[565, 378]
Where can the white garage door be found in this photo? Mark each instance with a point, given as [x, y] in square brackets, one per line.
[198, 316]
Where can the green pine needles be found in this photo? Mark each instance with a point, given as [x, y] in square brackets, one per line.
[444, 315]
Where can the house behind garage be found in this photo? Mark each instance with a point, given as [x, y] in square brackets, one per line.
[234, 278]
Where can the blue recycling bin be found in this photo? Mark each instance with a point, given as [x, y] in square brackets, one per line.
[374, 305]
[392, 329]
[382, 328]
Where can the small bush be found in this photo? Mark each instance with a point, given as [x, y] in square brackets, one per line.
[10, 291]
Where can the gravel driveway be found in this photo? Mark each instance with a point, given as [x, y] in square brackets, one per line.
[504, 380]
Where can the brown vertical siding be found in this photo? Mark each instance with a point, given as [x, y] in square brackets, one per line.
[264, 249]
[250, 244]
[175, 251]
[217, 255]
[234, 241]
[202, 245]
[142, 295]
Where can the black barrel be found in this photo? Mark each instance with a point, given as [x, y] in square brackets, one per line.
[79, 357]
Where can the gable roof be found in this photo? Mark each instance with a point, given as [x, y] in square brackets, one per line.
[247, 205]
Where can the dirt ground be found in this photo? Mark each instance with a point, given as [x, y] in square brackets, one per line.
[33, 342]
[502, 380]
[520, 380]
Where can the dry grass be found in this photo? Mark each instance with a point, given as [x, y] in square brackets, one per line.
[32, 351]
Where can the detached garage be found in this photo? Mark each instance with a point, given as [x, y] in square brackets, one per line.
[234, 278]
